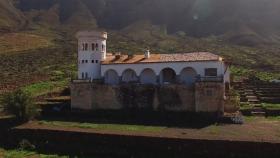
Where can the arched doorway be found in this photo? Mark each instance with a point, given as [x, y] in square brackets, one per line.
[111, 77]
[129, 76]
[188, 76]
[167, 76]
[148, 76]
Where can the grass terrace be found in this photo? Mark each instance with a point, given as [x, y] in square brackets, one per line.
[270, 106]
[25, 154]
[245, 106]
[114, 127]
[17, 42]
[42, 88]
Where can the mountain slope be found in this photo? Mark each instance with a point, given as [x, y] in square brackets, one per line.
[251, 21]
[10, 17]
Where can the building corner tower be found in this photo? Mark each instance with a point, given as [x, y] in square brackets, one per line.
[91, 52]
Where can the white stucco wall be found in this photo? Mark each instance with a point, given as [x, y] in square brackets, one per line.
[227, 75]
[199, 67]
[93, 69]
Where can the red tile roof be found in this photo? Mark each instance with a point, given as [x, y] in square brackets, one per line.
[161, 58]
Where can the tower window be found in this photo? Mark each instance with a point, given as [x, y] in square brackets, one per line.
[86, 46]
[96, 46]
[103, 47]
[93, 47]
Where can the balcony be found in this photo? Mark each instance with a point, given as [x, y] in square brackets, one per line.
[210, 79]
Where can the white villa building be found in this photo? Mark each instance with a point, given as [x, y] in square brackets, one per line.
[94, 63]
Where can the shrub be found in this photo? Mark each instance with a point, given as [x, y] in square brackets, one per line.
[26, 145]
[232, 103]
[20, 104]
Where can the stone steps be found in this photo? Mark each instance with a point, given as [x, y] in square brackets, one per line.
[257, 105]
[258, 113]
[270, 99]
[268, 95]
[256, 93]
[253, 97]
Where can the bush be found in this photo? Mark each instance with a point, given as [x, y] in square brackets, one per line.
[232, 103]
[26, 145]
[20, 104]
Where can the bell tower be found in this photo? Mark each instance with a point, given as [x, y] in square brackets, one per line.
[91, 52]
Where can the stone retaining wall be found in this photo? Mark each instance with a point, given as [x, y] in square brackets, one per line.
[173, 97]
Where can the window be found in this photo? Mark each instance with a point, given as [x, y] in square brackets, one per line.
[93, 47]
[212, 72]
[103, 47]
[86, 61]
[83, 61]
[96, 47]
[86, 46]
[86, 75]
[83, 75]
[92, 61]
[96, 61]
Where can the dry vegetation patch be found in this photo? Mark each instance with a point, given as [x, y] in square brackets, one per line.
[16, 42]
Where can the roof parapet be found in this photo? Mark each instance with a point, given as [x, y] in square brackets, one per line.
[96, 34]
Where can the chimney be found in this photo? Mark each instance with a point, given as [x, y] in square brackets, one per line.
[147, 54]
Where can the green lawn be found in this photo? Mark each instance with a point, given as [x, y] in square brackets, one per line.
[42, 88]
[25, 154]
[115, 127]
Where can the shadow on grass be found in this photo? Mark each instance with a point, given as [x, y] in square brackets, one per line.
[135, 117]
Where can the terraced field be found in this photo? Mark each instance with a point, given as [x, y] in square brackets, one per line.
[20, 42]
[25, 154]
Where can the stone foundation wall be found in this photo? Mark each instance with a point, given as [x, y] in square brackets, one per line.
[181, 98]
[209, 97]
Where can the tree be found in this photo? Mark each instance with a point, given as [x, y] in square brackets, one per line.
[20, 104]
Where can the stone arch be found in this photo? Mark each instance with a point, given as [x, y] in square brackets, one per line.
[148, 76]
[129, 75]
[111, 77]
[167, 75]
[188, 76]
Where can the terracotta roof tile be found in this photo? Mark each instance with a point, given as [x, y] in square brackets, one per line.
[160, 58]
